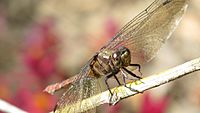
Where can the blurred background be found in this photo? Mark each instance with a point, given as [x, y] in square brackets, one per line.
[46, 41]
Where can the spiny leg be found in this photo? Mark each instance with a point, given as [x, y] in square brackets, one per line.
[108, 87]
[117, 80]
[139, 69]
[137, 65]
[132, 74]
[109, 75]
[114, 71]
[124, 77]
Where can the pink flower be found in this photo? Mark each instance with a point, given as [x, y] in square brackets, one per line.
[34, 102]
[149, 105]
[114, 109]
[40, 52]
[111, 28]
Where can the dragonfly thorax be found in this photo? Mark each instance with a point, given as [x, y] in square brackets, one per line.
[111, 61]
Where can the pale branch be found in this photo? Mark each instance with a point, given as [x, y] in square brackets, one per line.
[146, 83]
[122, 92]
[8, 108]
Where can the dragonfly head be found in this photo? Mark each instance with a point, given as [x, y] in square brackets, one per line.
[122, 57]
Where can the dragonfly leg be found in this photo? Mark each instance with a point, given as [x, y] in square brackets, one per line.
[132, 74]
[114, 71]
[124, 77]
[109, 75]
[117, 80]
[137, 65]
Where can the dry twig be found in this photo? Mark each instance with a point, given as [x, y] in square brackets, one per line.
[149, 82]
[8, 108]
[123, 92]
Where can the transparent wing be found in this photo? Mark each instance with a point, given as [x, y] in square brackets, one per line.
[145, 34]
[71, 101]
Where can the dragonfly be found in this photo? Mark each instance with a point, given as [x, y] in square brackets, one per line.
[135, 44]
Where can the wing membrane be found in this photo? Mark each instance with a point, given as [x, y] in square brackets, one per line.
[145, 34]
[84, 87]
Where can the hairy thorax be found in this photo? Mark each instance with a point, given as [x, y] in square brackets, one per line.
[110, 61]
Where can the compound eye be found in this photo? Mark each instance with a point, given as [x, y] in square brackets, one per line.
[124, 53]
